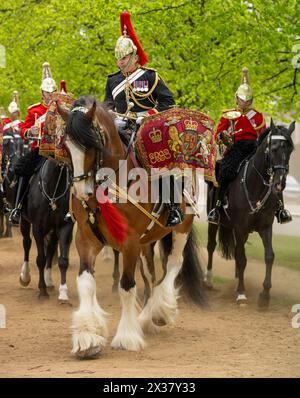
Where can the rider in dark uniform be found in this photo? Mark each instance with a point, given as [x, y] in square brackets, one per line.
[135, 92]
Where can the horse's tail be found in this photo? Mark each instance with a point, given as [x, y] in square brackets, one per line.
[226, 242]
[190, 276]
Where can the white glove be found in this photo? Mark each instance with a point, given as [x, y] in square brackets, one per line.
[119, 123]
[139, 120]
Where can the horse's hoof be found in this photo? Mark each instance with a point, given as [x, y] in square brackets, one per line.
[115, 289]
[24, 283]
[90, 353]
[159, 321]
[242, 300]
[65, 302]
[263, 301]
[43, 296]
[208, 285]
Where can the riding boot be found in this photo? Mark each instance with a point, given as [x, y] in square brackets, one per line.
[214, 215]
[283, 215]
[16, 212]
[176, 215]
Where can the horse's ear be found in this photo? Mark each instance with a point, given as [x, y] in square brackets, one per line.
[64, 113]
[91, 113]
[272, 125]
[291, 128]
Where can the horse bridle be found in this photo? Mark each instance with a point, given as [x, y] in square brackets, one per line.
[270, 171]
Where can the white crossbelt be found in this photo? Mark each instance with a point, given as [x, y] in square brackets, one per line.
[130, 79]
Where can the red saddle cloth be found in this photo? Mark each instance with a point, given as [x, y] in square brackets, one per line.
[53, 139]
[177, 138]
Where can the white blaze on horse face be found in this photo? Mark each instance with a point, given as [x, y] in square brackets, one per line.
[84, 188]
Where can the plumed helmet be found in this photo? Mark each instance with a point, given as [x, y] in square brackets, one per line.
[128, 43]
[244, 92]
[48, 84]
[14, 105]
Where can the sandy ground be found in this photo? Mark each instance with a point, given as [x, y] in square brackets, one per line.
[226, 341]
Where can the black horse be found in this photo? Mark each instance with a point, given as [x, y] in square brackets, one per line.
[252, 199]
[12, 150]
[45, 207]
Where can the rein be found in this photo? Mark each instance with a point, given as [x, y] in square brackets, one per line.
[53, 199]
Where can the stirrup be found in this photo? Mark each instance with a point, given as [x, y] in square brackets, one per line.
[283, 216]
[68, 217]
[214, 216]
[15, 216]
[175, 216]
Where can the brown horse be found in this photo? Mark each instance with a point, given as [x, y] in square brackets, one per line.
[94, 144]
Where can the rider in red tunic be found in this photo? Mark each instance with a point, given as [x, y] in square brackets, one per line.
[236, 136]
[13, 124]
[32, 129]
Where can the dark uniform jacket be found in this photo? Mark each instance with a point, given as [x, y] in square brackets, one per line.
[144, 88]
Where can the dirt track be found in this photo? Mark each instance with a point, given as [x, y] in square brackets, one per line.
[225, 342]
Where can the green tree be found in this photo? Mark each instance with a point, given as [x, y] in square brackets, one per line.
[199, 48]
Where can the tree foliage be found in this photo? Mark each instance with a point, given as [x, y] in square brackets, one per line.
[198, 47]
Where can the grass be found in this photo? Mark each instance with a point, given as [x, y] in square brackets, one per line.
[286, 248]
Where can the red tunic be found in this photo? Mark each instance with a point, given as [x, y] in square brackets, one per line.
[14, 125]
[251, 124]
[36, 114]
[5, 120]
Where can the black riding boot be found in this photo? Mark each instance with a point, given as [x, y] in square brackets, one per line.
[16, 212]
[176, 215]
[214, 215]
[283, 216]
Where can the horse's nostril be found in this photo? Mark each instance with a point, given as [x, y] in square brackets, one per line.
[90, 194]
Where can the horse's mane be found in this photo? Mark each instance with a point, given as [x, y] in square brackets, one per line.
[283, 131]
[81, 130]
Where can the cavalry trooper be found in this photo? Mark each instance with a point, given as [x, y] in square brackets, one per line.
[135, 92]
[32, 129]
[13, 123]
[236, 136]
[11, 130]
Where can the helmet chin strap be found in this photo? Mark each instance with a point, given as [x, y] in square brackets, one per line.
[129, 64]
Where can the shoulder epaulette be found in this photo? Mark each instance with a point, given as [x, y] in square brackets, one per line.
[32, 106]
[228, 110]
[146, 68]
[113, 74]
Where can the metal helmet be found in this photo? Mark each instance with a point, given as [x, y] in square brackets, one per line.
[48, 84]
[244, 92]
[14, 105]
[128, 43]
[124, 46]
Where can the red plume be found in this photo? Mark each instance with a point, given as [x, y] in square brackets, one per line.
[63, 86]
[125, 21]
